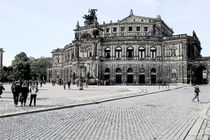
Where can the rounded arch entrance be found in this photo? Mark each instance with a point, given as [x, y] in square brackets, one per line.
[118, 76]
[199, 75]
[130, 75]
[107, 76]
[141, 76]
[153, 76]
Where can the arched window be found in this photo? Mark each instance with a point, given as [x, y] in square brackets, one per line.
[58, 60]
[107, 70]
[142, 70]
[141, 52]
[107, 53]
[72, 55]
[130, 70]
[152, 53]
[118, 53]
[153, 70]
[130, 52]
[173, 51]
[118, 70]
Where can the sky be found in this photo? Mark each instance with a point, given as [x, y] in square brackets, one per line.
[36, 27]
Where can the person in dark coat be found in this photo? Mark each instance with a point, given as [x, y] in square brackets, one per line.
[197, 90]
[64, 85]
[16, 89]
[1, 89]
[69, 84]
[24, 91]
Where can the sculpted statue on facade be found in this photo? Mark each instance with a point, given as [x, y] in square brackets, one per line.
[91, 18]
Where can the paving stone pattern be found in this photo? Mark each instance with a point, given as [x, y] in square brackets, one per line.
[55, 96]
[162, 116]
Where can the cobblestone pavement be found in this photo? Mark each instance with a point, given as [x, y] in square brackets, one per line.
[163, 116]
[50, 97]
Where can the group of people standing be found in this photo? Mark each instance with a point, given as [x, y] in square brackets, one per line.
[21, 90]
[68, 84]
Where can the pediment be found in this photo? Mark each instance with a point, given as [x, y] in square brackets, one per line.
[133, 18]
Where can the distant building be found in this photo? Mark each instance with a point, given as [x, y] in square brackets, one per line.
[134, 50]
[1, 62]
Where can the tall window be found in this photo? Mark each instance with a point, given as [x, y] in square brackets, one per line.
[129, 52]
[115, 29]
[72, 55]
[68, 57]
[118, 53]
[58, 60]
[152, 53]
[173, 52]
[145, 29]
[138, 28]
[141, 53]
[107, 30]
[107, 53]
[90, 54]
[130, 28]
[122, 29]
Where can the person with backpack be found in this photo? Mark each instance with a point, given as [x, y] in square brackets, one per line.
[16, 89]
[197, 90]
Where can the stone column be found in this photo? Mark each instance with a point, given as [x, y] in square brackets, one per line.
[99, 50]
[94, 49]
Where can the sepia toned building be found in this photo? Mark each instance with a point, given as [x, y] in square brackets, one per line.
[134, 50]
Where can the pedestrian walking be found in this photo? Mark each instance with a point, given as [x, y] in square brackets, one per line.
[16, 89]
[24, 93]
[40, 83]
[1, 89]
[69, 84]
[64, 85]
[33, 93]
[77, 82]
[86, 83]
[197, 90]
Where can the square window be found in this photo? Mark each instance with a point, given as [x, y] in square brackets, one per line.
[145, 29]
[122, 29]
[137, 28]
[130, 28]
[107, 30]
[115, 29]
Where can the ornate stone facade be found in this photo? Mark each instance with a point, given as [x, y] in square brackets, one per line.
[134, 50]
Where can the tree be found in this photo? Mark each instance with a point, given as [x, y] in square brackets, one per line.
[39, 68]
[7, 74]
[21, 67]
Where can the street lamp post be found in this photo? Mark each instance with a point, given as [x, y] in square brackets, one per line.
[80, 76]
[80, 65]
